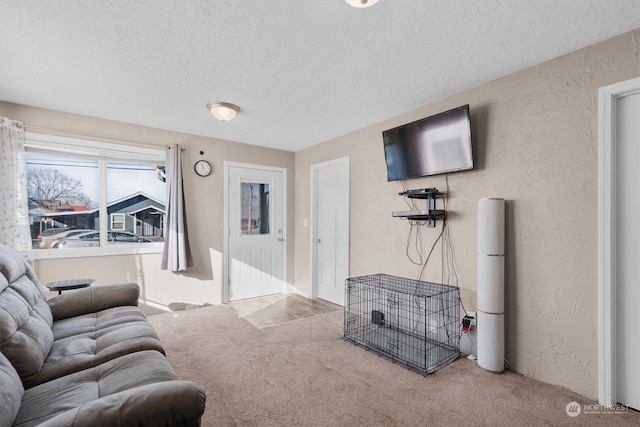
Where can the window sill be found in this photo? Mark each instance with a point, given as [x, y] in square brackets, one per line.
[115, 250]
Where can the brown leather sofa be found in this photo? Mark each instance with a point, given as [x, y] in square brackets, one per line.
[85, 358]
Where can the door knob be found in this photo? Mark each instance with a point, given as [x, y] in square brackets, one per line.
[319, 241]
[280, 239]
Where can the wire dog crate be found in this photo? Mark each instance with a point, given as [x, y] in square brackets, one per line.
[408, 321]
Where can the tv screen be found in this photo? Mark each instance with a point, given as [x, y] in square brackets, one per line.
[429, 146]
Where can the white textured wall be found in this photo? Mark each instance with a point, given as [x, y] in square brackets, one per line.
[536, 145]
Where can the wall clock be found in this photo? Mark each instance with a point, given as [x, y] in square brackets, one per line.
[203, 168]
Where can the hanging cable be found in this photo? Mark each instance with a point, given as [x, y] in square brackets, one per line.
[426, 261]
[418, 246]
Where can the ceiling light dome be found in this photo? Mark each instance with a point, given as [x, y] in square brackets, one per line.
[223, 111]
[361, 3]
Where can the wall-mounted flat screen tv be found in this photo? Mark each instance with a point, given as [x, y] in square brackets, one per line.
[433, 145]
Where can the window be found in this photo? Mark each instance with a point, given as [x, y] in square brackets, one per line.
[93, 194]
[254, 208]
[117, 221]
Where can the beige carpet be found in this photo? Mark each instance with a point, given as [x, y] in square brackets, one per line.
[302, 373]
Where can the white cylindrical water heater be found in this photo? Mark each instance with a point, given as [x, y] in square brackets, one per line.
[490, 321]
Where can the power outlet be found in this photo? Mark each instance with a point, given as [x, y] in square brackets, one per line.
[469, 322]
[472, 316]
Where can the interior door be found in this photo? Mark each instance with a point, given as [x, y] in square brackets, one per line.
[256, 245]
[627, 250]
[330, 233]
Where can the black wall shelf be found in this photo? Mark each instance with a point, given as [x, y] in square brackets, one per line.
[430, 214]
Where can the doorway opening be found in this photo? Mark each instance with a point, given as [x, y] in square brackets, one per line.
[618, 248]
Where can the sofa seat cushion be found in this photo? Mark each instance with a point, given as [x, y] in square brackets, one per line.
[134, 375]
[77, 352]
[99, 320]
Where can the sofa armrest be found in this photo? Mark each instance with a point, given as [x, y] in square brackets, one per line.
[93, 299]
[168, 403]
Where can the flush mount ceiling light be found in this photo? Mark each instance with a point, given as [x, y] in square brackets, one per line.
[361, 3]
[223, 110]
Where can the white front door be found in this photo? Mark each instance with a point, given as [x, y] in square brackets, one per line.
[627, 250]
[255, 220]
[330, 229]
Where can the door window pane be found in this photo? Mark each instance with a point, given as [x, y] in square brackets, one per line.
[255, 208]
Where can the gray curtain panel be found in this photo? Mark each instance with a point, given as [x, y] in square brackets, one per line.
[177, 254]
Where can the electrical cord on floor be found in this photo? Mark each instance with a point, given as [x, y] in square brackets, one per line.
[467, 333]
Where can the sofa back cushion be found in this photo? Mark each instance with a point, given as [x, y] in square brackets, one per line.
[25, 317]
[11, 392]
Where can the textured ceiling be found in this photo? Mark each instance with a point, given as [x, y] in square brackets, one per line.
[302, 71]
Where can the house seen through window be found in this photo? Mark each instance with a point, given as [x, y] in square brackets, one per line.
[85, 200]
